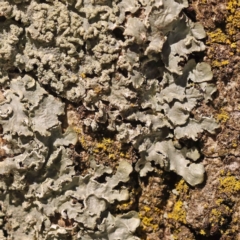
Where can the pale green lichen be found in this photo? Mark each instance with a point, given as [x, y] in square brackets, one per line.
[135, 76]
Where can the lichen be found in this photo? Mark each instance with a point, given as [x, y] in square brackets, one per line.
[217, 36]
[233, 23]
[148, 223]
[130, 66]
[223, 116]
[202, 232]
[228, 35]
[76, 58]
[111, 148]
[229, 184]
[29, 117]
[178, 213]
[218, 215]
[217, 63]
[182, 187]
[234, 143]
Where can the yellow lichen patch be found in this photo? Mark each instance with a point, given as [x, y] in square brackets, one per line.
[232, 231]
[217, 63]
[233, 24]
[82, 75]
[174, 236]
[111, 156]
[234, 143]
[202, 232]
[178, 213]
[233, 21]
[222, 116]
[182, 187]
[83, 141]
[106, 145]
[219, 201]
[234, 45]
[77, 130]
[223, 172]
[232, 5]
[125, 205]
[81, 137]
[148, 222]
[217, 215]
[218, 36]
[146, 208]
[157, 210]
[228, 35]
[229, 184]
[111, 148]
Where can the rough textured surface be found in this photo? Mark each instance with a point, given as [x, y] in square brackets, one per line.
[137, 97]
[211, 210]
[128, 70]
[39, 182]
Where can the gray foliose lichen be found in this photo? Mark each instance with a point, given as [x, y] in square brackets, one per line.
[38, 177]
[131, 64]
